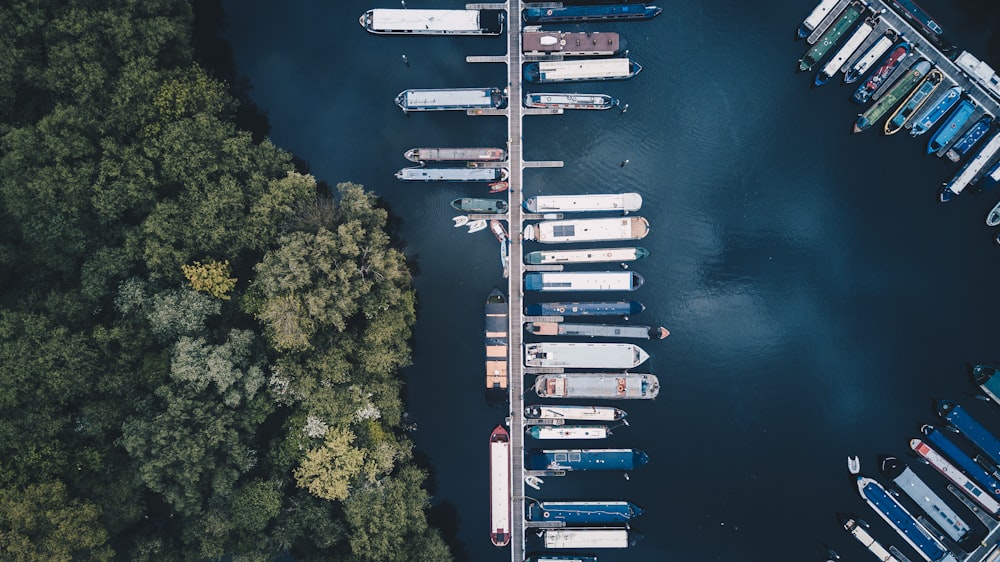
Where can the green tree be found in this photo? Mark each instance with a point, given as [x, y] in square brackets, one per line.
[41, 523]
[388, 522]
[328, 471]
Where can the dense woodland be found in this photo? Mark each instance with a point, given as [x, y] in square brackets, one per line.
[199, 345]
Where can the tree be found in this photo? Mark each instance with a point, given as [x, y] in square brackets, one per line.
[388, 522]
[40, 522]
[211, 277]
[328, 471]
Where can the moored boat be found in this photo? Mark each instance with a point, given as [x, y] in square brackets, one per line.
[993, 217]
[950, 128]
[495, 336]
[921, 19]
[871, 54]
[567, 431]
[939, 511]
[451, 99]
[832, 35]
[587, 230]
[590, 255]
[432, 22]
[621, 386]
[500, 500]
[956, 477]
[974, 431]
[882, 72]
[475, 205]
[913, 102]
[570, 101]
[578, 537]
[496, 227]
[533, 15]
[845, 51]
[572, 355]
[962, 459]
[571, 281]
[598, 308]
[561, 558]
[986, 378]
[578, 413]
[498, 186]
[926, 119]
[900, 519]
[597, 330]
[584, 459]
[901, 88]
[455, 155]
[477, 225]
[971, 170]
[582, 512]
[583, 70]
[613, 202]
[860, 532]
[853, 464]
[815, 17]
[975, 133]
[420, 173]
[534, 41]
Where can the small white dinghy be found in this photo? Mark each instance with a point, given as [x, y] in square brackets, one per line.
[993, 218]
[533, 481]
[477, 225]
[460, 220]
[854, 464]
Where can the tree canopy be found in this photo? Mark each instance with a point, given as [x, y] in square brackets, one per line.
[200, 344]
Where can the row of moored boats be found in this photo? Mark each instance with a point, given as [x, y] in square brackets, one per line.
[574, 369]
[967, 457]
[905, 86]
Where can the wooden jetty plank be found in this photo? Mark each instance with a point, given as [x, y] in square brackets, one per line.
[544, 164]
[485, 58]
[544, 267]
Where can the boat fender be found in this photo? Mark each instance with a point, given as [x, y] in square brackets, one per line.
[621, 387]
[545, 514]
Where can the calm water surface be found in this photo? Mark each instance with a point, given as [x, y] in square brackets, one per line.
[818, 295]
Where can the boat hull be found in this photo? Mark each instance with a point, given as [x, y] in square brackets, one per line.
[474, 205]
[950, 128]
[576, 281]
[602, 308]
[615, 386]
[590, 13]
[570, 101]
[583, 512]
[500, 500]
[584, 459]
[495, 337]
[574, 413]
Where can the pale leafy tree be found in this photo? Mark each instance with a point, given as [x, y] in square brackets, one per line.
[211, 277]
[328, 471]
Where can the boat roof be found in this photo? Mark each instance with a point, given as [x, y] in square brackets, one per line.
[581, 280]
[582, 203]
[972, 429]
[586, 68]
[455, 174]
[558, 41]
[424, 20]
[932, 504]
[448, 97]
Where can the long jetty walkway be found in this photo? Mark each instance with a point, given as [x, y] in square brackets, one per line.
[515, 290]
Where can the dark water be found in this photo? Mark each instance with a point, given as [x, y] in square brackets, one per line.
[818, 295]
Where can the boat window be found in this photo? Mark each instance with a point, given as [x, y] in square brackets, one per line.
[559, 457]
[574, 457]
